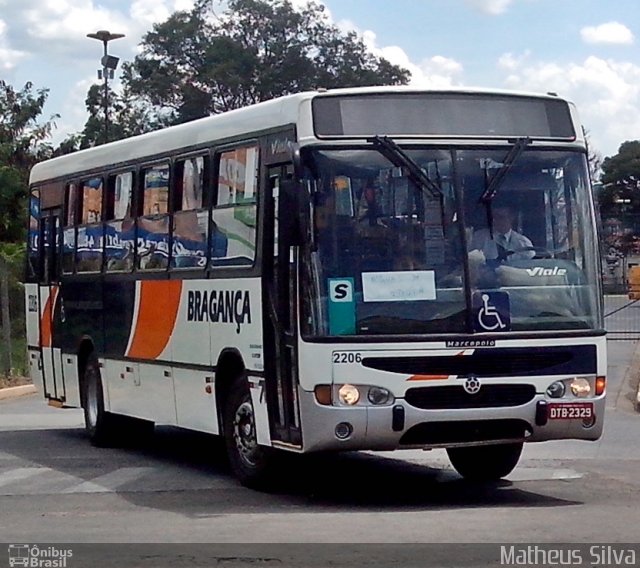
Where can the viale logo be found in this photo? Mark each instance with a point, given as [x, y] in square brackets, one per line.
[540, 271]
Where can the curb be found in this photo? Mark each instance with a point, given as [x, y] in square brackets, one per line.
[14, 392]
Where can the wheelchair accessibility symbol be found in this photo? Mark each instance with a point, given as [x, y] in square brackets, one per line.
[491, 311]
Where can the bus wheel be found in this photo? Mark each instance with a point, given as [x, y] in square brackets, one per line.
[99, 424]
[251, 463]
[485, 463]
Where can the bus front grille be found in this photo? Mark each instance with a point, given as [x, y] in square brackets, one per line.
[454, 396]
[468, 431]
[495, 362]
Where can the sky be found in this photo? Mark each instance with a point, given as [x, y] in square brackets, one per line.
[585, 50]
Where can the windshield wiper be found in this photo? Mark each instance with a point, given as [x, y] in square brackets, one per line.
[514, 153]
[491, 189]
[398, 157]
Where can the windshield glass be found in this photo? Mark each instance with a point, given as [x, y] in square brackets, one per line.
[389, 256]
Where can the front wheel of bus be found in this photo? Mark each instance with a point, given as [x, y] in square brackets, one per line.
[485, 463]
[251, 463]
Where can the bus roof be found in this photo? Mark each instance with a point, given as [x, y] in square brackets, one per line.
[261, 116]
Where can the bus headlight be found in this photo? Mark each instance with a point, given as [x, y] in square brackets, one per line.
[580, 387]
[348, 394]
[379, 396]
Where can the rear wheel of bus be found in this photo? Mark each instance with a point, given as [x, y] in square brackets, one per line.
[485, 463]
[253, 465]
[99, 424]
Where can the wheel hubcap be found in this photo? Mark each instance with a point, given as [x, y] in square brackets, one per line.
[244, 433]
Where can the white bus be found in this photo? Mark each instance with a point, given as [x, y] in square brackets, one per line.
[324, 271]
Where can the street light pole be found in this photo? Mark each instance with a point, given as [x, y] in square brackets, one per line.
[109, 64]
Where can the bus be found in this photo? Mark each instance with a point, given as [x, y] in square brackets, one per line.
[322, 272]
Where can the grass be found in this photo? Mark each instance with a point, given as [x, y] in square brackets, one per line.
[19, 372]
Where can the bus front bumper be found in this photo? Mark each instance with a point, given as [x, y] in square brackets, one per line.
[401, 425]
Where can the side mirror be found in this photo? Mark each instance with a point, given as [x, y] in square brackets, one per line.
[293, 212]
[296, 160]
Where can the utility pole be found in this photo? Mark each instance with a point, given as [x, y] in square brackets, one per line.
[109, 64]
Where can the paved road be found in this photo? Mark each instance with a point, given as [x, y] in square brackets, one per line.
[54, 487]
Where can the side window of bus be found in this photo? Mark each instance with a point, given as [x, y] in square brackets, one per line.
[119, 224]
[33, 264]
[233, 238]
[71, 214]
[153, 225]
[90, 232]
[190, 218]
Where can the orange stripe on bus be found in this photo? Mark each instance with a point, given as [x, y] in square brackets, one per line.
[46, 319]
[157, 312]
[428, 377]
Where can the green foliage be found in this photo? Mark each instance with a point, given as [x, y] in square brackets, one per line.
[22, 144]
[197, 63]
[621, 181]
[619, 199]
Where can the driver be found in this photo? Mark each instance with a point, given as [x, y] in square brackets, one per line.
[506, 245]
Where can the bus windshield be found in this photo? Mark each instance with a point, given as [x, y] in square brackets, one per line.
[389, 256]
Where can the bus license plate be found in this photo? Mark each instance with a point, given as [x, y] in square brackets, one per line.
[571, 411]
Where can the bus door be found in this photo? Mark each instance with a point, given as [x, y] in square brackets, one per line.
[50, 302]
[280, 321]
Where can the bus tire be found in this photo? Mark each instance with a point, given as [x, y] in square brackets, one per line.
[100, 425]
[485, 463]
[252, 464]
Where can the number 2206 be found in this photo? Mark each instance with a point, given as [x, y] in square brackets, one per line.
[347, 357]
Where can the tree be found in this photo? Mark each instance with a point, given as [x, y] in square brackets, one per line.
[619, 198]
[621, 179]
[22, 143]
[197, 63]
[127, 117]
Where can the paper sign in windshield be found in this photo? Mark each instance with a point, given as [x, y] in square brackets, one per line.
[402, 286]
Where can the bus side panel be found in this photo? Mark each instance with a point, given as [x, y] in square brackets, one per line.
[156, 396]
[71, 382]
[213, 316]
[46, 296]
[140, 390]
[119, 311]
[195, 403]
[124, 395]
[32, 312]
[79, 314]
[35, 369]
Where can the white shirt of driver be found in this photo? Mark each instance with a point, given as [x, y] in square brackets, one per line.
[511, 241]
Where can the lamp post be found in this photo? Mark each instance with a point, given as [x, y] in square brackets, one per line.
[109, 64]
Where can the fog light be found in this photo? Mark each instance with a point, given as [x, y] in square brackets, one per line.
[556, 390]
[580, 387]
[343, 430]
[589, 422]
[349, 394]
[379, 396]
